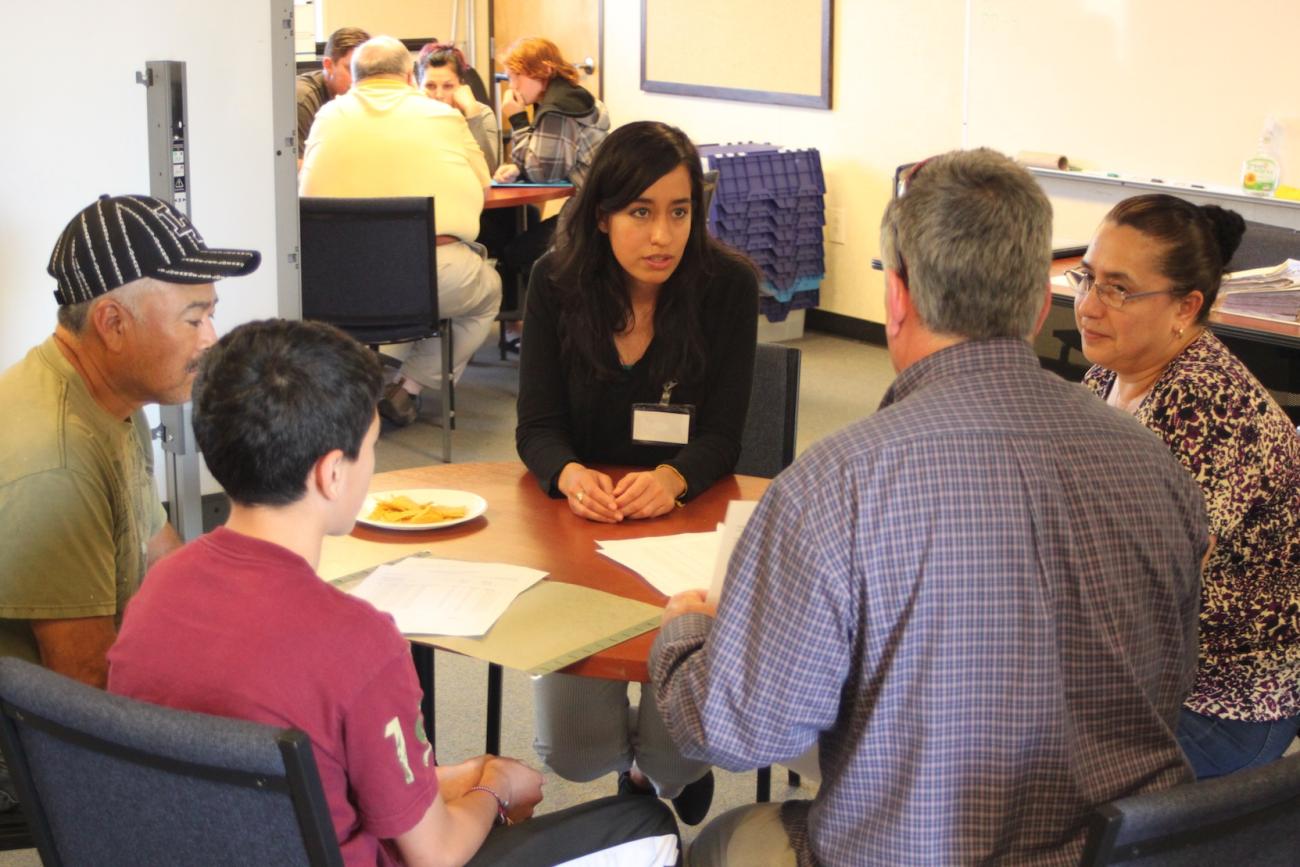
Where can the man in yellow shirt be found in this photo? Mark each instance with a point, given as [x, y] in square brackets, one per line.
[385, 138]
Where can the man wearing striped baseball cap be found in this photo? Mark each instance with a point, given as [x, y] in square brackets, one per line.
[80, 518]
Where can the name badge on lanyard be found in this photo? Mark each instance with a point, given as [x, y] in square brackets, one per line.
[663, 423]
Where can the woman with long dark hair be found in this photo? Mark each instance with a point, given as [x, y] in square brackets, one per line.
[640, 352]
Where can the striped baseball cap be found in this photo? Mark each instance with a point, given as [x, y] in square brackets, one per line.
[118, 239]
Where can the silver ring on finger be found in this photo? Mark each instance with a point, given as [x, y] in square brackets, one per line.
[580, 496]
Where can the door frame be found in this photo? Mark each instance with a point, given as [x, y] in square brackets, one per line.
[600, 47]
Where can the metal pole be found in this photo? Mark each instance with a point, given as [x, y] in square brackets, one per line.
[169, 180]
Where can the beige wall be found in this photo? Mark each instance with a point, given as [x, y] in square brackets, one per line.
[1174, 88]
[405, 19]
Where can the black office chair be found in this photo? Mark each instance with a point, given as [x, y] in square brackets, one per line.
[767, 444]
[107, 780]
[476, 86]
[369, 266]
[1251, 818]
[14, 831]
[771, 425]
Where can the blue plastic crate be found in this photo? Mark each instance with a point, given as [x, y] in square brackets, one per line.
[769, 175]
[777, 311]
[778, 237]
[785, 278]
[784, 254]
[708, 151]
[724, 207]
[798, 285]
[767, 219]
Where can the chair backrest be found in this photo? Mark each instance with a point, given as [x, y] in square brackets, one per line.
[767, 444]
[476, 87]
[1265, 245]
[369, 266]
[107, 780]
[1251, 818]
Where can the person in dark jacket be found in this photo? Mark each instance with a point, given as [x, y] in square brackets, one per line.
[640, 351]
[559, 143]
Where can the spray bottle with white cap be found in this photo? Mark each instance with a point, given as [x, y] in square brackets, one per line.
[1261, 173]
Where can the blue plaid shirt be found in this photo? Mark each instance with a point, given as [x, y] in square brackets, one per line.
[981, 602]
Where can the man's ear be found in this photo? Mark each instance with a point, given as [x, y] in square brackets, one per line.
[898, 302]
[111, 320]
[327, 474]
[1042, 314]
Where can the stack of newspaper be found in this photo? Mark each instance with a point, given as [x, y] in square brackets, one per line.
[1275, 277]
[1266, 293]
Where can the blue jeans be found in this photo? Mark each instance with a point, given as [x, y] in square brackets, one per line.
[1217, 746]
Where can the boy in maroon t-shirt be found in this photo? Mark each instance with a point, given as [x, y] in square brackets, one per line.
[237, 623]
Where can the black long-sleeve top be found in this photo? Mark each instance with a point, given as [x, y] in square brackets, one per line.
[566, 414]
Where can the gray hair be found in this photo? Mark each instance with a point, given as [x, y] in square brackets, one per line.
[380, 55]
[75, 317]
[973, 232]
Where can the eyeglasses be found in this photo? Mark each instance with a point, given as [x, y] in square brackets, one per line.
[902, 182]
[1111, 295]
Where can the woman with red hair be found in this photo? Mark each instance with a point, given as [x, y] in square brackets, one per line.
[558, 145]
[568, 122]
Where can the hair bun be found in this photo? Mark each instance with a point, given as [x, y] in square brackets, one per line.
[1228, 229]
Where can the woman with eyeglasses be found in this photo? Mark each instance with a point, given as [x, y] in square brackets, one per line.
[1142, 300]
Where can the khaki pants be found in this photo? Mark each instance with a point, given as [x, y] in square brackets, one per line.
[749, 836]
[469, 294]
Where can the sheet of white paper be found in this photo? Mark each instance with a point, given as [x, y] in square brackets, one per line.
[670, 564]
[738, 512]
[445, 597]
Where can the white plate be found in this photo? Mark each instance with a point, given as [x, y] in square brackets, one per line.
[473, 503]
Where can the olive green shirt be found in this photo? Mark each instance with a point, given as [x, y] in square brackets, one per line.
[78, 504]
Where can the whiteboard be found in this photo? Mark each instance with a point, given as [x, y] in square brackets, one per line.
[1177, 89]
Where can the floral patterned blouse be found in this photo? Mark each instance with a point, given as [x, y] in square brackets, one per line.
[1245, 454]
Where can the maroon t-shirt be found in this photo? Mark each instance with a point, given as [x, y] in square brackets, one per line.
[238, 627]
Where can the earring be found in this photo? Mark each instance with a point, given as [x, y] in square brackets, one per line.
[1179, 333]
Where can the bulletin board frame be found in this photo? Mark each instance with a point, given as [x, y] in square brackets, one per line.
[694, 81]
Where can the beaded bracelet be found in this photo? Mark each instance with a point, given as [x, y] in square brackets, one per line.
[502, 806]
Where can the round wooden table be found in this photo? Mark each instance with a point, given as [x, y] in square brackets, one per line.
[525, 527]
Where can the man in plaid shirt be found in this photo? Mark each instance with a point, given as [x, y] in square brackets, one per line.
[980, 602]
